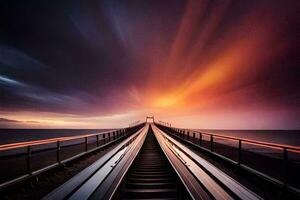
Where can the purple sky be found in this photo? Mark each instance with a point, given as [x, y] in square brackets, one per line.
[199, 64]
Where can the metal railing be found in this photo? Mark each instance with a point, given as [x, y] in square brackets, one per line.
[26, 149]
[104, 166]
[210, 144]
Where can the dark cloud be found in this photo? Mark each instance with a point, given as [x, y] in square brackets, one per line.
[70, 52]
[8, 120]
[10, 123]
[4, 121]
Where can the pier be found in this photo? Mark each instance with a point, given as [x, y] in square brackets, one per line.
[152, 160]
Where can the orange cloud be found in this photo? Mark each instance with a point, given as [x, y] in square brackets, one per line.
[241, 54]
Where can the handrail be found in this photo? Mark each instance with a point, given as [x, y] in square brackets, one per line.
[111, 137]
[51, 140]
[249, 141]
[186, 136]
[191, 158]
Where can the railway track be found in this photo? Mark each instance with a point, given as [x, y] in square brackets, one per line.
[151, 175]
[151, 165]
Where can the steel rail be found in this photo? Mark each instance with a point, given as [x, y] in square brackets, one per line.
[103, 178]
[151, 176]
[181, 135]
[195, 189]
[207, 169]
[109, 186]
[83, 185]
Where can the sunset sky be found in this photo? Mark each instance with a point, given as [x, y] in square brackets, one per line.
[101, 64]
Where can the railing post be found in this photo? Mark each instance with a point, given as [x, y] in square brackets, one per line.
[285, 157]
[200, 139]
[211, 142]
[193, 137]
[240, 152]
[103, 138]
[86, 143]
[109, 136]
[28, 159]
[188, 135]
[58, 152]
[97, 140]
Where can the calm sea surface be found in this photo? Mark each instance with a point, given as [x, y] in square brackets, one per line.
[290, 137]
[20, 135]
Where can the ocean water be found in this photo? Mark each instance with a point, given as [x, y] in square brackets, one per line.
[21, 135]
[287, 137]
